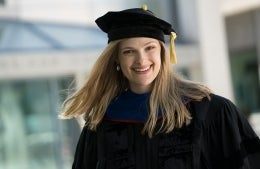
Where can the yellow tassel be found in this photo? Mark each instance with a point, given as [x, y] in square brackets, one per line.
[173, 57]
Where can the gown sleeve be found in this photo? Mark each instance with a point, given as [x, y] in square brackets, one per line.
[228, 139]
[86, 154]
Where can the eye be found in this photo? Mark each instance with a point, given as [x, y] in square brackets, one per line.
[151, 47]
[128, 52]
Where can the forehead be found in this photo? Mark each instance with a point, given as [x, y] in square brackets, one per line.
[137, 42]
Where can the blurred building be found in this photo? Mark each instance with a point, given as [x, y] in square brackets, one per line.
[39, 61]
[49, 46]
[242, 25]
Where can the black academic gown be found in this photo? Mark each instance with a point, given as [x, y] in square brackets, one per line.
[218, 137]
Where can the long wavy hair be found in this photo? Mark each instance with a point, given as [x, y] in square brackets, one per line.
[105, 83]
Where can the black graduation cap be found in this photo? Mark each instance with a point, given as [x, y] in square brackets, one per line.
[136, 22]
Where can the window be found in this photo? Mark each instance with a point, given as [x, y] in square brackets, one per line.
[245, 78]
[184, 20]
[31, 135]
[2, 2]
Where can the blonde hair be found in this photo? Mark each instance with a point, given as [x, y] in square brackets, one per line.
[105, 83]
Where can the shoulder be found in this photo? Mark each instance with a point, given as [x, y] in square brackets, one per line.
[221, 104]
[217, 101]
[214, 108]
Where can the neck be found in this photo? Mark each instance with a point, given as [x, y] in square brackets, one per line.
[141, 90]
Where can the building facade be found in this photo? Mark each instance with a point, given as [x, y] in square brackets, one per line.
[47, 48]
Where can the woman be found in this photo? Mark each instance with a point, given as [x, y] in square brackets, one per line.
[141, 115]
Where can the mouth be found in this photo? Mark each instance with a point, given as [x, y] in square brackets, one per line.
[142, 70]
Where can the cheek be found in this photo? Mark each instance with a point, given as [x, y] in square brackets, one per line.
[158, 64]
[124, 69]
[125, 62]
[158, 59]
[124, 66]
[158, 67]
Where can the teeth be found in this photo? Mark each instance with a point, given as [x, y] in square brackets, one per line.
[143, 69]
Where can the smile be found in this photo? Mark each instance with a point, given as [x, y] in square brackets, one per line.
[142, 69]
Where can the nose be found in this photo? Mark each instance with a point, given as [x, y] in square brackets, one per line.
[140, 57]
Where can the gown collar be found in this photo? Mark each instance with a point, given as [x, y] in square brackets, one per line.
[131, 107]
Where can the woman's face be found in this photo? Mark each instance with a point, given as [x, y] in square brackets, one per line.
[140, 61]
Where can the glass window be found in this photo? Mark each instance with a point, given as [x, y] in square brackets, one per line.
[32, 137]
[30, 36]
[2, 2]
[245, 78]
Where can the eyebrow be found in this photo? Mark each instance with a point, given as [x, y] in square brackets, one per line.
[130, 47]
[150, 42]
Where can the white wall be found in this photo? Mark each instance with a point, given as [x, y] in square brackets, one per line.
[49, 64]
[233, 7]
[213, 48]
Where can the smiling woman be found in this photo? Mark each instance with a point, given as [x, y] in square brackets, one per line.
[141, 115]
[140, 62]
